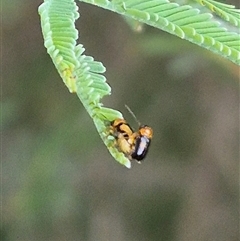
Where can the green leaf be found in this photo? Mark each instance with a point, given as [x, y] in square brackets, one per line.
[81, 73]
[227, 12]
[186, 22]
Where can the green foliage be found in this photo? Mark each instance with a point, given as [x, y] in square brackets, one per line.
[185, 22]
[225, 11]
[83, 75]
[80, 73]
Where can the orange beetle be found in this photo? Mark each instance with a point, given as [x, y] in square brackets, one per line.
[134, 145]
[142, 142]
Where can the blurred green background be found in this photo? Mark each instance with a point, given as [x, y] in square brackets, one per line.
[58, 180]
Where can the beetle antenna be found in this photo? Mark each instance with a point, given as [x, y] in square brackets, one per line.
[131, 112]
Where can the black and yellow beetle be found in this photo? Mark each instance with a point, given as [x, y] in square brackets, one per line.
[134, 145]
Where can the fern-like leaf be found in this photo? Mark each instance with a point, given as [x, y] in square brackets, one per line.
[81, 73]
[184, 21]
[60, 37]
[227, 12]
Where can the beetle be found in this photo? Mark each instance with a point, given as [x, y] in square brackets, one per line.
[142, 142]
[134, 145]
[123, 134]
